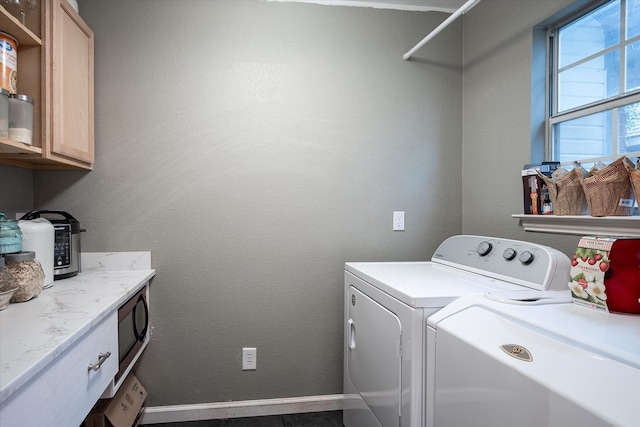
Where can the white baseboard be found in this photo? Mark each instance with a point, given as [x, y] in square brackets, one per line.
[241, 409]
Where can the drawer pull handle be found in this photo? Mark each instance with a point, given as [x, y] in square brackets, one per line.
[101, 358]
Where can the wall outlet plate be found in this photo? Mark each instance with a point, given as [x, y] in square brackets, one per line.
[398, 221]
[249, 359]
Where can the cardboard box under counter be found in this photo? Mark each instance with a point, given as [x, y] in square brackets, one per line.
[123, 410]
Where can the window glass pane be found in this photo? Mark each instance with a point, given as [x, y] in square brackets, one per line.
[633, 18]
[591, 71]
[633, 67]
[629, 129]
[582, 138]
[589, 82]
[590, 34]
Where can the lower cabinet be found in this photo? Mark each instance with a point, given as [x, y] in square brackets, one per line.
[66, 390]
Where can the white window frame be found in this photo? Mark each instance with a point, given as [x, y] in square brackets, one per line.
[612, 103]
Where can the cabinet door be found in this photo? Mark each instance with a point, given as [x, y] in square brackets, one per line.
[72, 85]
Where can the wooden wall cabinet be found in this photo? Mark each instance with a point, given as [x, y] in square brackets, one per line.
[55, 67]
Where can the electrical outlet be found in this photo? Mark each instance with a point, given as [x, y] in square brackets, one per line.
[249, 358]
[398, 221]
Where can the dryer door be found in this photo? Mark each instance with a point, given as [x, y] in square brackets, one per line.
[374, 356]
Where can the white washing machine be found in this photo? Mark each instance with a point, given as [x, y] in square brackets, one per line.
[386, 309]
[491, 363]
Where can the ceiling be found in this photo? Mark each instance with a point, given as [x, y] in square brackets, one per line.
[416, 5]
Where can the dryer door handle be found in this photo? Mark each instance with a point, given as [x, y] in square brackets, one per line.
[351, 338]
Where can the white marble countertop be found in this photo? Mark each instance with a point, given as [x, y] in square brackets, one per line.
[34, 333]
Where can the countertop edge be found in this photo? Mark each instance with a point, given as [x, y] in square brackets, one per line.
[26, 375]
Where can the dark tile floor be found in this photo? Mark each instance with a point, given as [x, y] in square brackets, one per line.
[313, 419]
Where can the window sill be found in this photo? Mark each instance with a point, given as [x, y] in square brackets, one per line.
[583, 225]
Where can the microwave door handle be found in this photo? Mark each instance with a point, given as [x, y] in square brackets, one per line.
[140, 336]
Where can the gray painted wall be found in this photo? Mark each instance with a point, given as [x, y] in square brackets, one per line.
[496, 110]
[16, 190]
[254, 147]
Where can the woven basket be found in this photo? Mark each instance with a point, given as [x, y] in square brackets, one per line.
[634, 177]
[566, 193]
[609, 190]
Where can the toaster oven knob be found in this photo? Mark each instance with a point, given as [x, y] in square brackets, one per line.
[526, 257]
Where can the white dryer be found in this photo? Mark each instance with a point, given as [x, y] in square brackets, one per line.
[492, 363]
[386, 309]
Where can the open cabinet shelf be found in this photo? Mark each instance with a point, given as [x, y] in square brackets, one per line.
[8, 146]
[55, 68]
[11, 25]
[581, 225]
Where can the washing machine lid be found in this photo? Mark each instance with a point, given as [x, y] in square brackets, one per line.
[613, 335]
[573, 356]
[425, 284]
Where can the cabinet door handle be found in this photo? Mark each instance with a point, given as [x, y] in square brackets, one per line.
[101, 358]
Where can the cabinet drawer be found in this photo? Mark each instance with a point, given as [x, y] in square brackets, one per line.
[66, 390]
[78, 387]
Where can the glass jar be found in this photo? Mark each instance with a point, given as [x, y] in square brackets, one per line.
[6, 279]
[21, 118]
[10, 235]
[7, 285]
[4, 113]
[21, 8]
[27, 275]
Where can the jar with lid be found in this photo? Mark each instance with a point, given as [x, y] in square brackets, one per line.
[6, 279]
[10, 235]
[20, 118]
[4, 113]
[27, 275]
[7, 285]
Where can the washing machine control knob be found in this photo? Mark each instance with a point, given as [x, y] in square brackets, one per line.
[526, 257]
[509, 254]
[484, 248]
